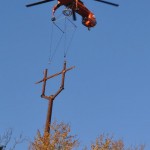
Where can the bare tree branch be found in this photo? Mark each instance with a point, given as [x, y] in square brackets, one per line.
[6, 138]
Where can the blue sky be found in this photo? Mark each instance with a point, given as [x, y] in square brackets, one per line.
[107, 92]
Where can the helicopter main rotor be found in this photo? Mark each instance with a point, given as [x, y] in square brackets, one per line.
[38, 3]
[45, 1]
[109, 3]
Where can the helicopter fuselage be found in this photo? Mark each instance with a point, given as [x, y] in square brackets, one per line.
[88, 18]
[77, 6]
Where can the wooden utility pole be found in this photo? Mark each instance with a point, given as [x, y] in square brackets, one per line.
[51, 98]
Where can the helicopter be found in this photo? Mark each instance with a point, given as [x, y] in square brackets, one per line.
[75, 6]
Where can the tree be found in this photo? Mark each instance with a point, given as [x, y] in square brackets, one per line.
[59, 139]
[108, 143]
[6, 138]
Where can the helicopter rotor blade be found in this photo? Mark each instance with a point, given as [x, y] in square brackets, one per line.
[106, 2]
[38, 3]
[74, 15]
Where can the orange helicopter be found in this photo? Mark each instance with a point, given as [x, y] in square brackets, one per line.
[73, 7]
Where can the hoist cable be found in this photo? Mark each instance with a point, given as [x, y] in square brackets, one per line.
[53, 52]
[56, 48]
[58, 27]
[51, 39]
[64, 32]
[65, 36]
[71, 39]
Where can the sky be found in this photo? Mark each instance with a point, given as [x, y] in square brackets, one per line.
[107, 92]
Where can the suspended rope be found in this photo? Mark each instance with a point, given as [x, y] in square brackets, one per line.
[64, 31]
[51, 39]
[69, 45]
[65, 38]
[52, 51]
[71, 38]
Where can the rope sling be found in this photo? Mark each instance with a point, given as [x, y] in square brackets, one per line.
[64, 31]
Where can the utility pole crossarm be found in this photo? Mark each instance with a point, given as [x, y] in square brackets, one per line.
[54, 75]
[44, 82]
[63, 72]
